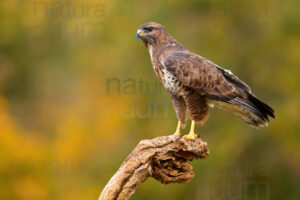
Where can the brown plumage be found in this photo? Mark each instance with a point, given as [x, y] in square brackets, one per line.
[195, 82]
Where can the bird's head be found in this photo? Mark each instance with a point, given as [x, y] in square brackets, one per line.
[150, 32]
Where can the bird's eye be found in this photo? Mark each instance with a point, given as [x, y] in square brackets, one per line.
[149, 29]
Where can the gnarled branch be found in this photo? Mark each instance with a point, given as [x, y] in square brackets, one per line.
[163, 158]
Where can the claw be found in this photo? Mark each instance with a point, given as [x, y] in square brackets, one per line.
[191, 136]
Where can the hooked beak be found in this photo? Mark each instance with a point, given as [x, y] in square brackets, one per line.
[139, 34]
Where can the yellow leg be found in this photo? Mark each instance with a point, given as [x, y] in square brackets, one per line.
[177, 132]
[191, 135]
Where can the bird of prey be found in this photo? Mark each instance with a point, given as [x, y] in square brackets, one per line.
[194, 82]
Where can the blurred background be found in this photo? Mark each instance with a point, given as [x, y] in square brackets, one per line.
[78, 92]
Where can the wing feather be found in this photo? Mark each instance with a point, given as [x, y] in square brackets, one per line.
[203, 76]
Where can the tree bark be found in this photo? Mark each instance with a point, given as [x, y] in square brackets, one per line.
[164, 158]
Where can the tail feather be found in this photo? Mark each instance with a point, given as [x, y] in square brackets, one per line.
[250, 109]
[260, 111]
[262, 107]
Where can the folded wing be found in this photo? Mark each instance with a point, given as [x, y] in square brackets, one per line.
[216, 83]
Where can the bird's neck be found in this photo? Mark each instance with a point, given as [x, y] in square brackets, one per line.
[168, 44]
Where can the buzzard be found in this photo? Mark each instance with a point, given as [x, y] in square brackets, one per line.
[194, 82]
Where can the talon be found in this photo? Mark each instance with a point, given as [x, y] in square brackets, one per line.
[191, 137]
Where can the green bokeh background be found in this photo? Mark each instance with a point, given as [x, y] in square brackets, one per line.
[71, 108]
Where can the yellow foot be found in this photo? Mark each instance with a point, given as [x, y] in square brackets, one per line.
[177, 132]
[190, 136]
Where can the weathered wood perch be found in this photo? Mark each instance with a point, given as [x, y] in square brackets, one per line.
[164, 158]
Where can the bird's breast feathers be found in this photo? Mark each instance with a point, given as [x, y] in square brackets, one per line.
[170, 82]
[168, 79]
